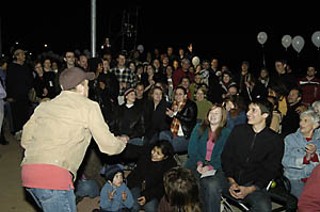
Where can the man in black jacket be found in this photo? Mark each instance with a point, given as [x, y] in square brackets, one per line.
[250, 160]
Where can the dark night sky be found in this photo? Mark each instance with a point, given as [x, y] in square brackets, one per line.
[221, 32]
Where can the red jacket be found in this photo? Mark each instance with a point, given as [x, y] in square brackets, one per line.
[310, 198]
[310, 90]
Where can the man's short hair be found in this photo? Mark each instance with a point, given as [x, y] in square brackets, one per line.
[265, 106]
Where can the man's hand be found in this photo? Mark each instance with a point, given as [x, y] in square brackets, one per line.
[142, 200]
[123, 138]
[234, 189]
[240, 192]
[301, 109]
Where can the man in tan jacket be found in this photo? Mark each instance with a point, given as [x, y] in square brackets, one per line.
[56, 138]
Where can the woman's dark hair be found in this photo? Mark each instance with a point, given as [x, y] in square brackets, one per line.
[166, 148]
[279, 88]
[182, 88]
[238, 103]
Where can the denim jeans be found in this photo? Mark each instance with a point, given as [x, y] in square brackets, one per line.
[259, 201]
[151, 206]
[54, 200]
[212, 187]
[296, 187]
[88, 188]
[179, 143]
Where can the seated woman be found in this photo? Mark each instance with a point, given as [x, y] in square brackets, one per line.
[146, 179]
[155, 115]
[276, 120]
[203, 104]
[301, 154]
[182, 118]
[236, 110]
[207, 141]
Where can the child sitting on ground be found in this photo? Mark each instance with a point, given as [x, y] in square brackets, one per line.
[115, 195]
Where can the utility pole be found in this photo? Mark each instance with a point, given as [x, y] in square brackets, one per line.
[93, 28]
[0, 37]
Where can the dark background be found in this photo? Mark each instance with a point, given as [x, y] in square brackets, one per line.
[214, 29]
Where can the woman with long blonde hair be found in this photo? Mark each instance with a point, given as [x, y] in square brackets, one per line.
[207, 141]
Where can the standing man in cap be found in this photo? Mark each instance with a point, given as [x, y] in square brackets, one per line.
[56, 138]
[19, 82]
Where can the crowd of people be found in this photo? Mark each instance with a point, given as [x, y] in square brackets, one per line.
[239, 128]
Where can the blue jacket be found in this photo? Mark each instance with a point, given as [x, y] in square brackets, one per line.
[116, 203]
[197, 148]
[294, 153]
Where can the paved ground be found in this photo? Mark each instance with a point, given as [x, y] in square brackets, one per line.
[12, 196]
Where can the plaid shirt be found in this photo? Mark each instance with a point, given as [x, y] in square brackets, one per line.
[125, 76]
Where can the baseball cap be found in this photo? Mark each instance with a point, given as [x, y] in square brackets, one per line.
[71, 77]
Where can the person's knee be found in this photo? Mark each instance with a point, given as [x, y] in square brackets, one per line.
[87, 188]
[135, 207]
[262, 205]
[151, 205]
[260, 202]
[211, 185]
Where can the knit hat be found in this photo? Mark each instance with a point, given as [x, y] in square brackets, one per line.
[129, 90]
[111, 170]
[71, 77]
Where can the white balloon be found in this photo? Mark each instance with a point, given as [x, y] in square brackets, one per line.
[262, 37]
[195, 61]
[298, 43]
[286, 41]
[316, 38]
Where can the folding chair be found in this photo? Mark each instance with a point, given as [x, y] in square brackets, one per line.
[280, 193]
[227, 203]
